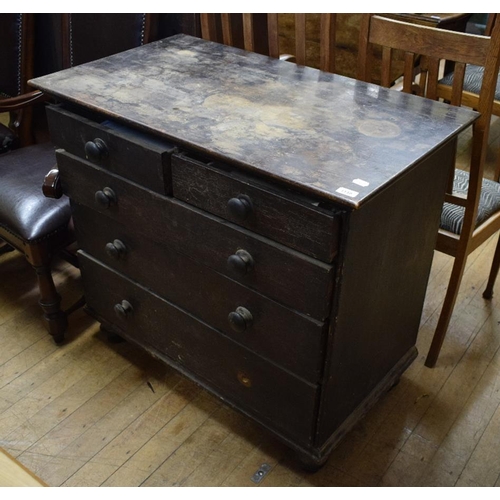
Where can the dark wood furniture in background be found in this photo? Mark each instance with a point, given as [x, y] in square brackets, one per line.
[471, 213]
[452, 22]
[255, 33]
[239, 223]
[346, 37]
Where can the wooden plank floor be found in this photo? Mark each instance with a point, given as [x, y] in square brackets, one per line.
[94, 413]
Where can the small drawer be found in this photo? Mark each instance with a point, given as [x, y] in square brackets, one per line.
[289, 339]
[129, 153]
[240, 377]
[286, 276]
[280, 215]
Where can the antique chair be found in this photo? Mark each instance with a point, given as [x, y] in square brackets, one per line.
[471, 213]
[30, 222]
[261, 33]
[472, 85]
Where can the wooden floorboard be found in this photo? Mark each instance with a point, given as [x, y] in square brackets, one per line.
[95, 413]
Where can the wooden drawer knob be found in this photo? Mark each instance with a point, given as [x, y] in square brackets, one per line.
[106, 197]
[124, 309]
[116, 249]
[240, 207]
[51, 186]
[240, 320]
[96, 150]
[240, 263]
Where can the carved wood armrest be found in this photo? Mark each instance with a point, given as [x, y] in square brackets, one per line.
[52, 184]
[22, 101]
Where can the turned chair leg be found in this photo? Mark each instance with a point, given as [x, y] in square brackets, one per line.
[50, 301]
[488, 292]
[446, 312]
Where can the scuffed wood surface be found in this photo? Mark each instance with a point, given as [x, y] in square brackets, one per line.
[312, 130]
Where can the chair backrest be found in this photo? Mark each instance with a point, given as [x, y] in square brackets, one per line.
[490, 22]
[430, 47]
[224, 28]
[62, 41]
[16, 68]
[87, 37]
[16, 56]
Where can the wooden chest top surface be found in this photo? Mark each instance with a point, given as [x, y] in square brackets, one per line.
[332, 136]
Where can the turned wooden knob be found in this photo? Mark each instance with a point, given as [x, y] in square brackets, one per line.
[240, 207]
[124, 309]
[51, 186]
[240, 263]
[96, 150]
[106, 197]
[116, 249]
[240, 320]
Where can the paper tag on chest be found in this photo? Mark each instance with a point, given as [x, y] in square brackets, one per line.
[347, 192]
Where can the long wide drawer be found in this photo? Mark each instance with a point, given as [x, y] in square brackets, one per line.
[259, 388]
[142, 158]
[288, 338]
[277, 214]
[290, 278]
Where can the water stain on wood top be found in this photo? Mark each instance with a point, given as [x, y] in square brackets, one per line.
[311, 130]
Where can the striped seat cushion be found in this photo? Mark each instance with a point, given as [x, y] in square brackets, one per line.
[452, 216]
[472, 80]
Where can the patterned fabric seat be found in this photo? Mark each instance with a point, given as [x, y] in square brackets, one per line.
[452, 216]
[472, 81]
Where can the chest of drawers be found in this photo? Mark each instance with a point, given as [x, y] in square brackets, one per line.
[236, 228]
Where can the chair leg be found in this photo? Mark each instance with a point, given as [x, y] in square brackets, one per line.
[50, 302]
[447, 310]
[488, 292]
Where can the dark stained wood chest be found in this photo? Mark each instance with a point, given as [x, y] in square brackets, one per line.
[266, 229]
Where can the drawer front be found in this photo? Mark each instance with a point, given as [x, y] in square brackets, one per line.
[256, 206]
[128, 153]
[290, 278]
[289, 339]
[252, 384]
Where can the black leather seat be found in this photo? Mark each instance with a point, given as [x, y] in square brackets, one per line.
[24, 211]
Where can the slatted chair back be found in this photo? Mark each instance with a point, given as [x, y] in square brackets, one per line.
[468, 218]
[221, 28]
[472, 84]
